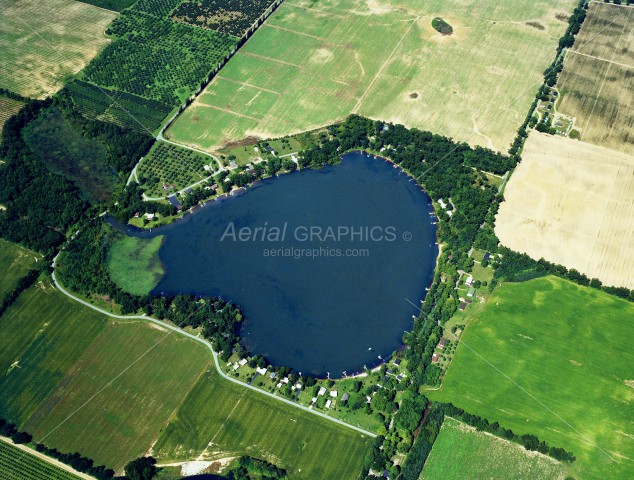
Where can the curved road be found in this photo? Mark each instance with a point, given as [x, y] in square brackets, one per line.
[214, 354]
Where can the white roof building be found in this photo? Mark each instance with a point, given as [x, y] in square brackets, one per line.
[333, 393]
[328, 403]
[243, 362]
[261, 371]
[322, 390]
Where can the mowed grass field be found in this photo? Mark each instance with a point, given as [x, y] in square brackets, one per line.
[16, 464]
[15, 262]
[44, 42]
[134, 264]
[219, 419]
[553, 359]
[572, 203]
[461, 452]
[310, 65]
[597, 84]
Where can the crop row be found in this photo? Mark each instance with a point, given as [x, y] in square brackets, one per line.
[18, 465]
[171, 165]
[159, 8]
[231, 17]
[157, 58]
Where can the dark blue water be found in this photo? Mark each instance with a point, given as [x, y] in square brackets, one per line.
[330, 302]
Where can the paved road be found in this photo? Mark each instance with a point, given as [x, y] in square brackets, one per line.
[48, 459]
[215, 356]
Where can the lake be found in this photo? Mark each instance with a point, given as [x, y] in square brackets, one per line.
[328, 265]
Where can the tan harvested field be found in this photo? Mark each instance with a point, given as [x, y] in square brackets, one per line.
[597, 83]
[313, 64]
[572, 203]
[43, 42]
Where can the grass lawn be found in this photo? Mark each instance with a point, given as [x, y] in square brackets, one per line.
[134, 264]
[17, 464]
[15, 262]
[219, 419]
[553, 359]
[44, 43]
[308, 66]
[461, 452]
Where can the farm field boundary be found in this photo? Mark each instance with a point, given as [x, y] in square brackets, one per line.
[572, 203]
[33, 465]
[535, 359]
[384, 75]
[595, 83]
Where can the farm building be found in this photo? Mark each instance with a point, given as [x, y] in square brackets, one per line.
[487, 257]
[471, 292]
[269, 149]
[435, 358]
[442, 343]
[469, 281]
[463, 306]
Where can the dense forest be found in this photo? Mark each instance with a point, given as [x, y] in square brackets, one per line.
[42, 205]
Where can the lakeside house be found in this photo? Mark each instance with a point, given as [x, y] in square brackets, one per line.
[243, 362]
[261, 371]
[333, 393]
[273, 375]
[345, 397]
[397, 362]
[321, 392]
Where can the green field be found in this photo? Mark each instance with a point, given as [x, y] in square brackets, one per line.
[43, 43]
[219, 419]
[134, 264]
[121, 392]
[15, 262]
[109, 389]
[15, 464]
[460, 452]
[553, 359]
[309, 66]
[48, 334]
[168, 165]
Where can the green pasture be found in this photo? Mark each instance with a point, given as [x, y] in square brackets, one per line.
[461, 452]
[553, 359]
[119, 394]
[43, 334]
[220, 419]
